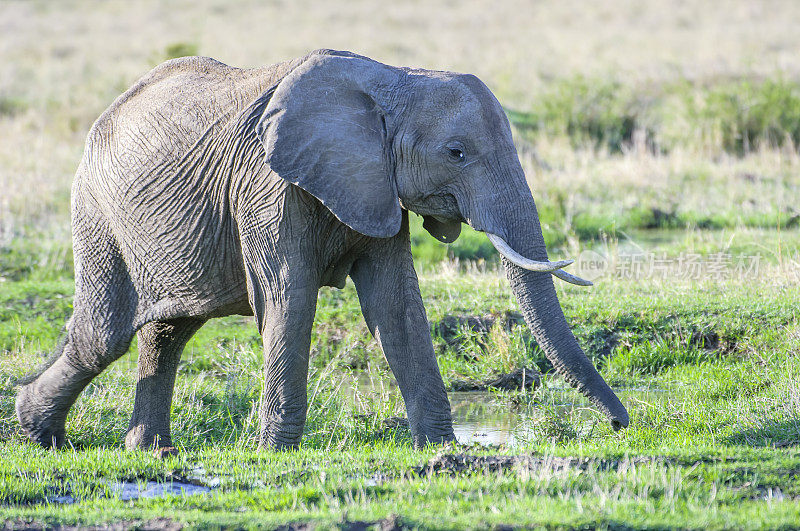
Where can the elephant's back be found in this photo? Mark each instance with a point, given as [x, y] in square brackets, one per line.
[167, 111]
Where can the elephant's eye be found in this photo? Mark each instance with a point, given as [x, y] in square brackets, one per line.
[456, 155]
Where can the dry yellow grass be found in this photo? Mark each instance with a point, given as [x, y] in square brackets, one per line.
[64, 62]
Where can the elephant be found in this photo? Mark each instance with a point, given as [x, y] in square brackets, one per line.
[207, 190]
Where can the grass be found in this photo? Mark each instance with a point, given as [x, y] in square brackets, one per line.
[609, 492]
[726, 116]
[712, 442]
[650, 133]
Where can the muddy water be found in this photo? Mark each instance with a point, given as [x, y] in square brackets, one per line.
[482, 417]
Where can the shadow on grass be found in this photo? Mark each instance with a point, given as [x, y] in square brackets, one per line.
[773, 433]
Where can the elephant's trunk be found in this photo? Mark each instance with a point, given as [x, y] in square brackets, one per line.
[537, 299]
[530, 273]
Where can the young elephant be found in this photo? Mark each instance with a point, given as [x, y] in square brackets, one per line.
[207, 190]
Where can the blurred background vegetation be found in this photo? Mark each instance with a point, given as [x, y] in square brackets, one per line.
[628, 115]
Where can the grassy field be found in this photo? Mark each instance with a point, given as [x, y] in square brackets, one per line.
[707, 367]
[662, 137]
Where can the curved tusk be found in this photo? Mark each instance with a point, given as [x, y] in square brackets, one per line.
[532, 265]
[525, 263]
[572, 279]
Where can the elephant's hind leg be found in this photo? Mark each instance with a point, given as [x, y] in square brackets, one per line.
[160, 346]
[98, 333]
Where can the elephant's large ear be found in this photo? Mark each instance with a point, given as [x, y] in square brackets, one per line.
[324, 130]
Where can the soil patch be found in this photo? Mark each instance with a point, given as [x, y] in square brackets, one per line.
[710, 340]
[517, 380]
[391, 523]
[451, 327]
[453, 464]
[156, 524]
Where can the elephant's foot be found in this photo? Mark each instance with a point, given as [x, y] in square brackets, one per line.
[165, 451]
[41, 422]
[421, 441]
[432, 424]
[43, 404]
[277, 446]
[285, 437]
[279, 442]
[283, 428]
[139, 437]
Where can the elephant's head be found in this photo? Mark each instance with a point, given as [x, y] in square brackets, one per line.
[367, 139]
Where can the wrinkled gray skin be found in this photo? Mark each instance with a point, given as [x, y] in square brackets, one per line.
[207, 190]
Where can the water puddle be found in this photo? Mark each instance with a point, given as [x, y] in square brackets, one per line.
[483, 417]
[127, 490]
[66, 500]
[480, 418]
[486, 418]
[135, 490]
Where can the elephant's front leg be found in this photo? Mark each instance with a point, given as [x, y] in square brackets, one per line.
[285, 322]
[390, 299]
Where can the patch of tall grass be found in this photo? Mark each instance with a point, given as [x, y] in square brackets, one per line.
[731, 116]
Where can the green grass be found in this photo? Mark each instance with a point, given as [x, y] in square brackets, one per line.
[649, 131]
[735, 115]
[689, 489]
[708, 370]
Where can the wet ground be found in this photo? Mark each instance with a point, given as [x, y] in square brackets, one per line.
[485, 418]
[479, 417]
[491, 419]
[134, 490]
